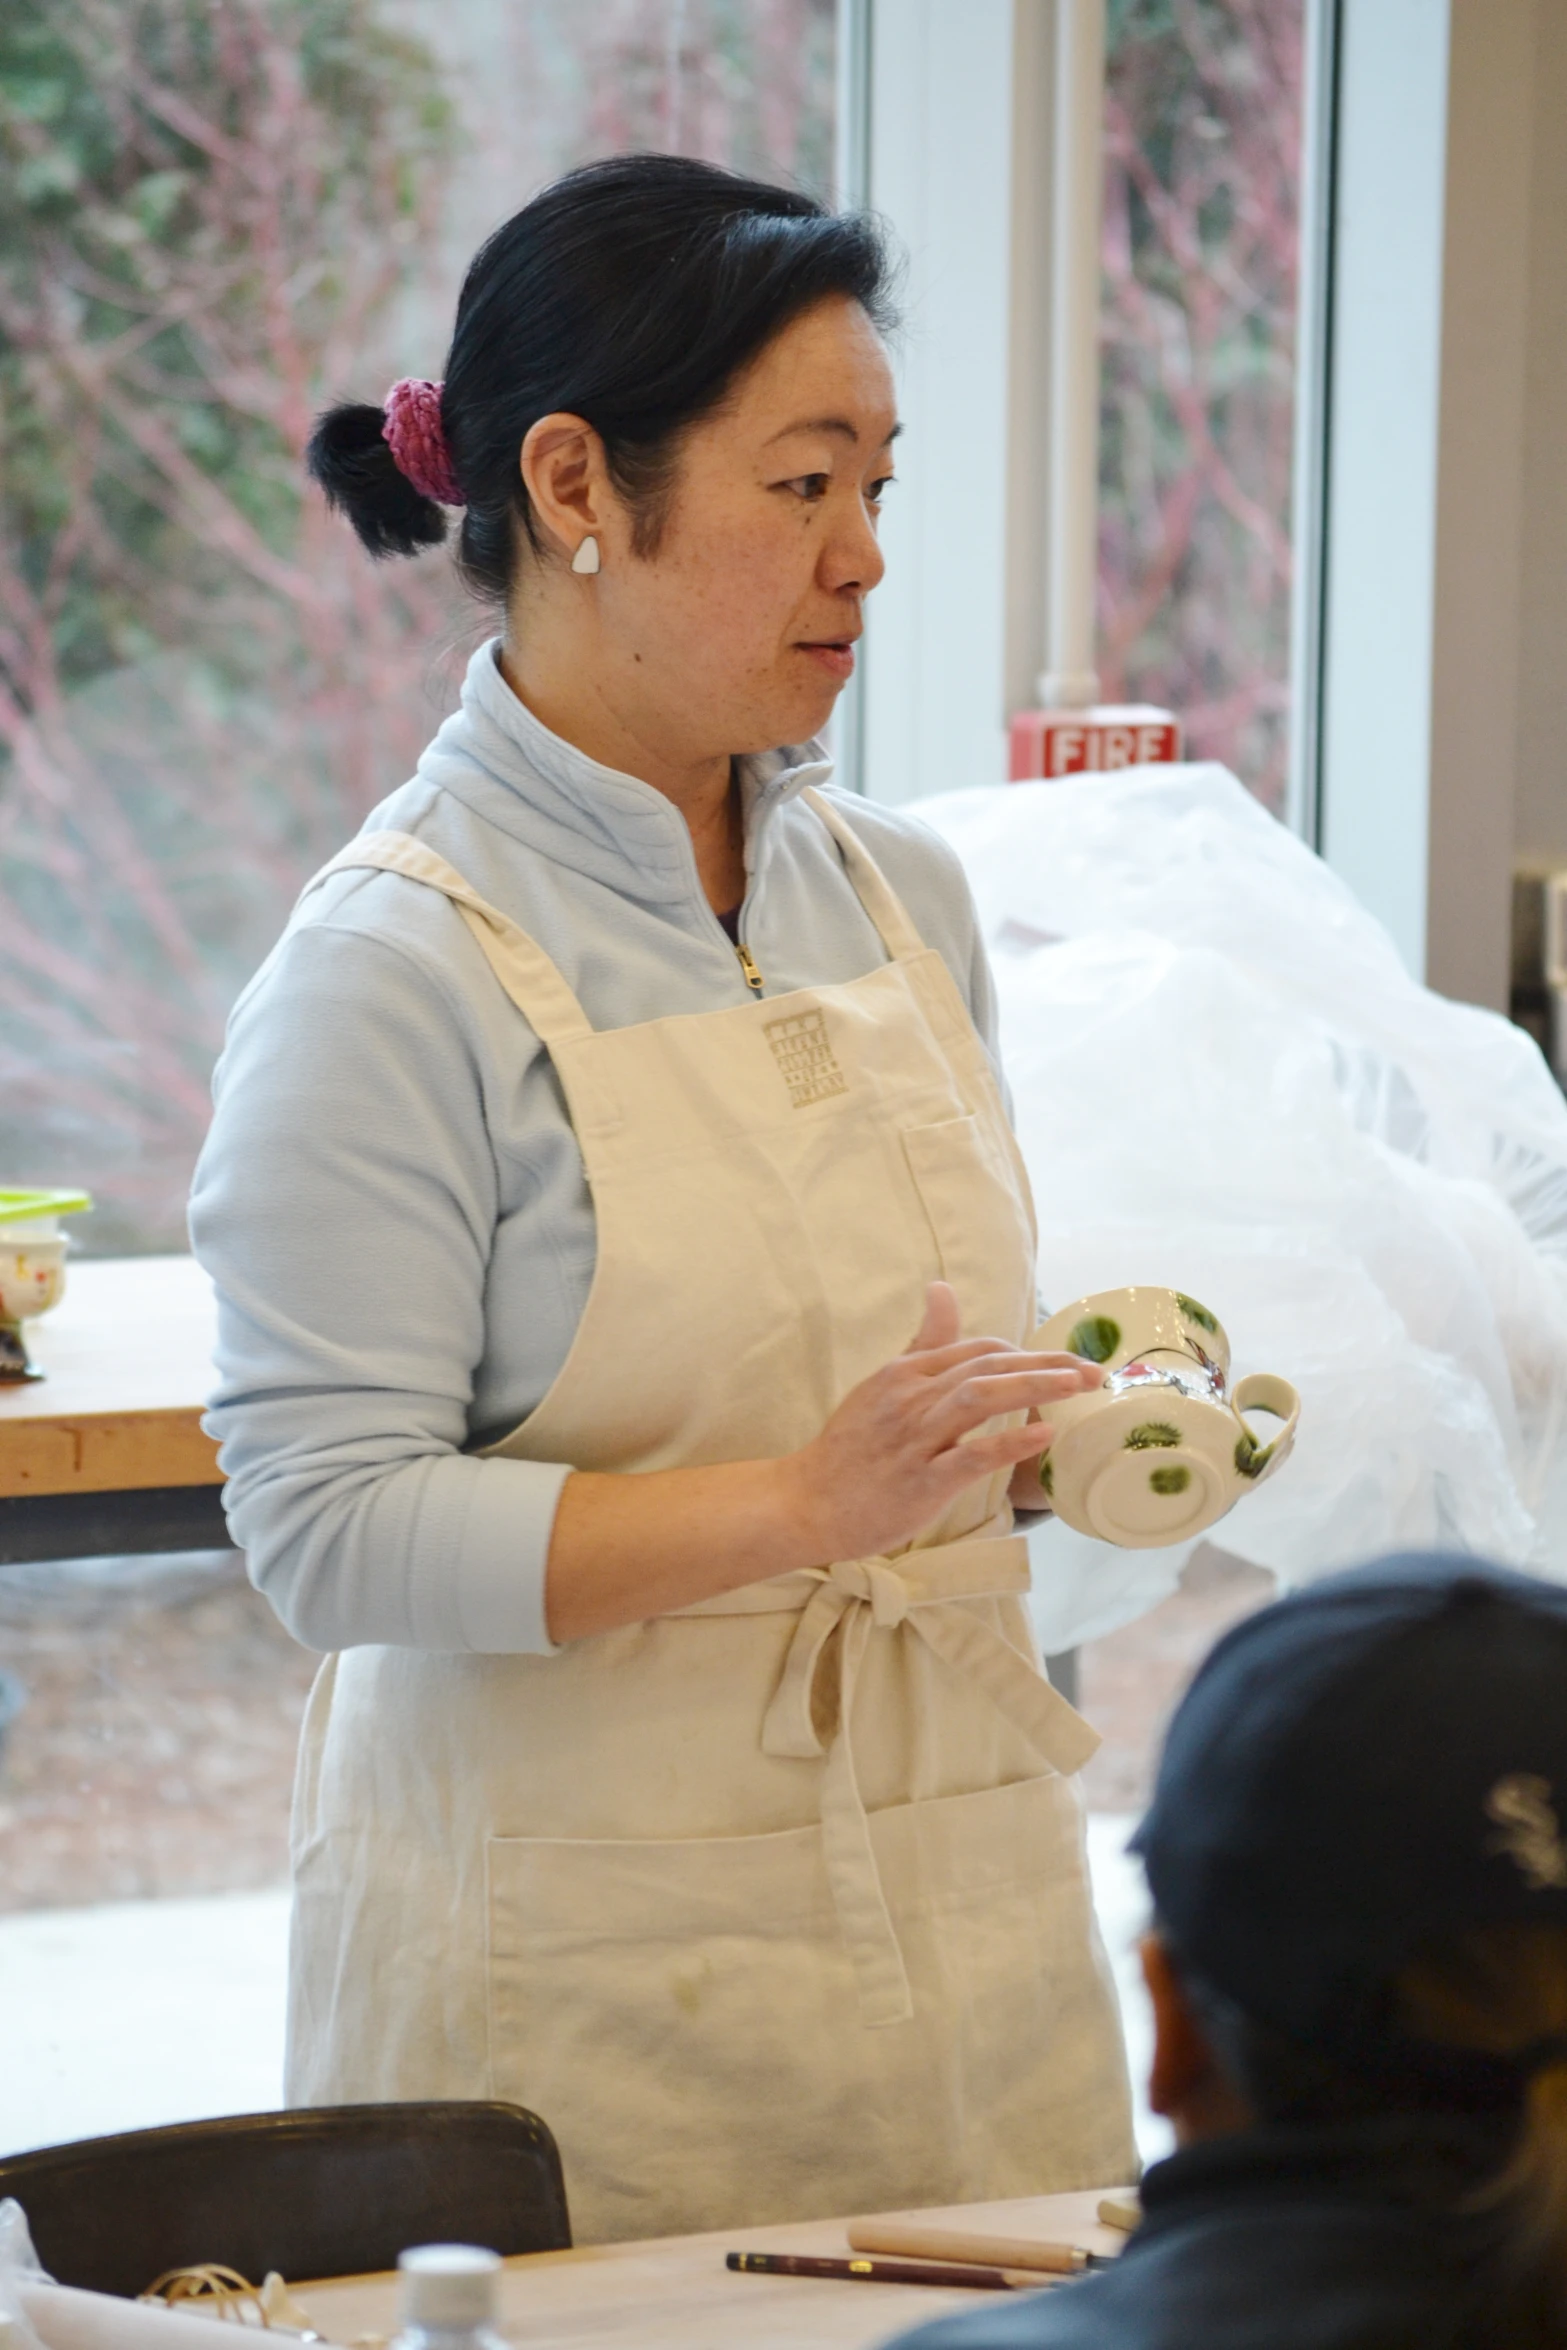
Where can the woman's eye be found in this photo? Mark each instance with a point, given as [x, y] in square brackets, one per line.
[810, 486]
[878, 489]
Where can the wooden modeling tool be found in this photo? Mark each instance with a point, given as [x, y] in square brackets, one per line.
[917, 2242]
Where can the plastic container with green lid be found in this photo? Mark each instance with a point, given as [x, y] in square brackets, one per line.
[32, 1267]
[37, 1210]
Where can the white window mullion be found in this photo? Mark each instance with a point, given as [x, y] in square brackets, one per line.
[940, 99]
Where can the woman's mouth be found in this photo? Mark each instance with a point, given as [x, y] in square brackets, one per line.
[836, 655]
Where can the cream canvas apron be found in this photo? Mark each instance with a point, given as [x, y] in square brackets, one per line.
[776, 1906]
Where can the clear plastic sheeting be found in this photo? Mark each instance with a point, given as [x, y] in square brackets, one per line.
[19, 2271]
[1226, 1081]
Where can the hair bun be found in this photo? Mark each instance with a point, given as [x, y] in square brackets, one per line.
[351, 459]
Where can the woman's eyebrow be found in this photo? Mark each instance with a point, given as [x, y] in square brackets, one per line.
[839, 425]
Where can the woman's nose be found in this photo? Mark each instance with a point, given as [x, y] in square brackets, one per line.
[852, 556]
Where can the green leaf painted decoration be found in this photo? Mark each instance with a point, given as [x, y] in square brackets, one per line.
[1152, 1435]
[1047, 1476]
[1198, 1314]
[1251, 1458]
[1095, 1338]
[1173, 1479]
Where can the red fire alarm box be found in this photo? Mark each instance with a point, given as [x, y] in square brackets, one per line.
[1107, 736]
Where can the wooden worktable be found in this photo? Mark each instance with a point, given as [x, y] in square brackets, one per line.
[106, 1452]
[676, 2294]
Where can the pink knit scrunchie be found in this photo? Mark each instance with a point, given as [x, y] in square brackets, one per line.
[414, 434]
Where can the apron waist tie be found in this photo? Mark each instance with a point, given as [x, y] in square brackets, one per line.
[916, 1589]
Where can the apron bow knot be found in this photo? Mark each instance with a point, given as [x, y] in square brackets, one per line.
[920, 1591]
[878, 1582]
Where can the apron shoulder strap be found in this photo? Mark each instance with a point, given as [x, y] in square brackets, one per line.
[874, 891]
[524, 970]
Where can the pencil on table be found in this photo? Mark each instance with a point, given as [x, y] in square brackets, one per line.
[970, 2276]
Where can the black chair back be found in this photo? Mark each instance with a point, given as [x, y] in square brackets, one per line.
[320, 2191]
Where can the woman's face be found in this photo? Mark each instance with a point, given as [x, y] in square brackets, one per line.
[740, 626]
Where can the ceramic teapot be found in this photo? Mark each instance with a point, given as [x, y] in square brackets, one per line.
[1163, 1449]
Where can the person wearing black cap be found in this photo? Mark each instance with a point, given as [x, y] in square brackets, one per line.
[1357, 1853]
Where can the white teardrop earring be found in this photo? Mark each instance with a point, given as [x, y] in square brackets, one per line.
[586, 559]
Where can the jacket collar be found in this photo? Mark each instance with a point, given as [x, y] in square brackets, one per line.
[612, 827]
[1394, 2158]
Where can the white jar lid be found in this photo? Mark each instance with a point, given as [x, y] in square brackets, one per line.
[448, 2285]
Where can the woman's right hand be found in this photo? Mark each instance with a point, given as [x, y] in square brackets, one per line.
[900, 1446]
[905, 1442]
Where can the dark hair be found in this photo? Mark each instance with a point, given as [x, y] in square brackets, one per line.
[631, 293]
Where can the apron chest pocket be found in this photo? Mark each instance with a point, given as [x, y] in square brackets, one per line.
[978, 1209]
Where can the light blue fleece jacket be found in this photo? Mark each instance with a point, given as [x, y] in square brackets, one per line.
[391, 1201]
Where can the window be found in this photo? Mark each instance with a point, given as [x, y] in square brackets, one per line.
[216, 215]
[958, 140]
[215, 218]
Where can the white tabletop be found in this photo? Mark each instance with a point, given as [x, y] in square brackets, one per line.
[674, 2293]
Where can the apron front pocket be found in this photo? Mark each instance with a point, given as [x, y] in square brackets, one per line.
[684, 2016]
[978, 1212]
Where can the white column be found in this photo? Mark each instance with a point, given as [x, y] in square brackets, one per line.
[1069, 679]
[980, 139]
[1381, 505]
[939, 166]
[1313, 295]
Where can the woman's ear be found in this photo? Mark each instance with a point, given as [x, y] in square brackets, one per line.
[564, 474]
[1186, 2082]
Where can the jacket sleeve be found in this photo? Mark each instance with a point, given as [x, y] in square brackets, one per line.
[344, 1207]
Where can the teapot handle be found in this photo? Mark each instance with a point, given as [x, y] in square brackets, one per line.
[1264, 1393]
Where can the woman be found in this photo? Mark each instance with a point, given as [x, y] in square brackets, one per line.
[612, 1115]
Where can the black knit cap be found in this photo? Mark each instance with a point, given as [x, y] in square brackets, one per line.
[1378, 1759]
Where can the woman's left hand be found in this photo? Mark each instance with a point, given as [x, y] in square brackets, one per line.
[1025, 1491]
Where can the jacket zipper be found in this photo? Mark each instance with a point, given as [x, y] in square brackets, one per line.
[753, 977]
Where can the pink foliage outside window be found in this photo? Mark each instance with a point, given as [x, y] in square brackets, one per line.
[216, 216]
[219, 214]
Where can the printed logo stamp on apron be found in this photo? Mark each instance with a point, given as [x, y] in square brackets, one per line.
[804, 1053]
